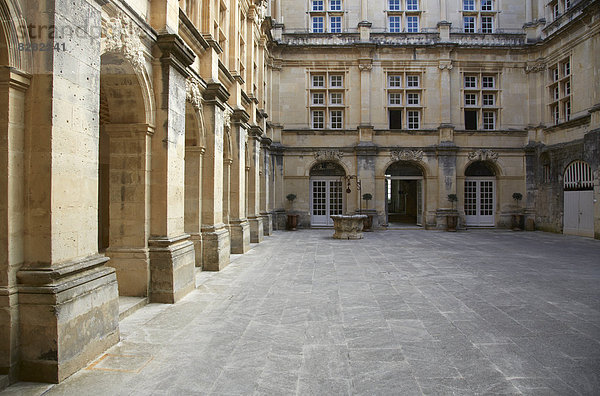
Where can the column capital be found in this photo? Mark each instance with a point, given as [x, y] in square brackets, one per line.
[175, 52]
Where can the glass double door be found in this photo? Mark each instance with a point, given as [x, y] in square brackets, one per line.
[480, 202]
[326, 199]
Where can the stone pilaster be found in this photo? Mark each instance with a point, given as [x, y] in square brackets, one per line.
[256, 221]
[63, 284]
[280, 216]
[238, 223]
[172, 258]
[265, 182]
[129, 190]
[215, 234]
[366, 156]
[194, 157]
[446, 156]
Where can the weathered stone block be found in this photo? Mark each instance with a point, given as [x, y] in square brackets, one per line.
[216, 252]
[172, 266]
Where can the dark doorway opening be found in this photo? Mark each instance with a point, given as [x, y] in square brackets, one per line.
[395, 119]
[471, 120]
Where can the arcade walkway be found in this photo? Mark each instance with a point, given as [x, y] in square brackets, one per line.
[401, 312]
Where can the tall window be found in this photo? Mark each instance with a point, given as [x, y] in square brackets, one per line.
[326, 100]
[487, 24]
[404, 94]
[412, 23]
[326, 16]
[560, 93]
[395, 24]
[394, 5]
[469, 24]
[412, 5]
[480, 93]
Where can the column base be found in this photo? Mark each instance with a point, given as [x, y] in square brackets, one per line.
[69, 314]
[197, 241]
[280, 219]
[216, 247]
[9, 333]
[171, 268]
[133, 270]
[256, 229]
[240, 236]
[267, 223]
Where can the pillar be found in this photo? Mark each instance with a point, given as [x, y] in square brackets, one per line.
[238, 223]
[215, 235]
[64, 285]
[265, 180]
[194, 156]
[256, 221]
[172, 258]
[129, 189]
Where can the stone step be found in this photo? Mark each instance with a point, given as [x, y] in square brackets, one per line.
[4, 382]
[128, 305]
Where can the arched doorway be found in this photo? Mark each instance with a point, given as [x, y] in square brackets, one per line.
[124, 174]
[404, 194]
[578, 211]
[480, 195]
[326, 193]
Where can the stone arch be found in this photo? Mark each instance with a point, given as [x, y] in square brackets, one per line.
[194, 126]
[478, 168]
[327, 168]
[419, 164]
[13, 29]
[316, 162]
[126, 128]
[405, 166]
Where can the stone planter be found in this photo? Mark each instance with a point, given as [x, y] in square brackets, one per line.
[451, 222]
[348, 226]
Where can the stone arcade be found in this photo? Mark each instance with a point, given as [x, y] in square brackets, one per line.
[159, 137]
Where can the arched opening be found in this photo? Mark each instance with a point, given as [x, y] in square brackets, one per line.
[123, 175]
[578, 184]
[194, 152]
[404, 194]
[480, 194]
[326, 193]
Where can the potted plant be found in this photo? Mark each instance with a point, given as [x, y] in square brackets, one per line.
[517, 217]
[368, 222]
[452, 218]
[292, 219]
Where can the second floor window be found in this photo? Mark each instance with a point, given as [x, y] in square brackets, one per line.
[395, 24]
[335, 5]
[318, 5]
[318, 24]
[469, 5]
[487, 24]
[487, 5]
[335, 24]
[469, 24]
[394, 5]
[412, 24]
[412, 5]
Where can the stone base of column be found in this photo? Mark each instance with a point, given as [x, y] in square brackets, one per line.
[171, 268]
[197, 241]
[280, 219]
[216, 248]
[267, 223]
[240, 236]
[133, 270]
[9, 331]
[256, 229]
[69, 314]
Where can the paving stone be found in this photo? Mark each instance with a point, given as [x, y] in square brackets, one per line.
[399, 312]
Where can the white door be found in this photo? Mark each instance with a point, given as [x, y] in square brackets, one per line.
[480, 202]
[579, 213]
[326, 199]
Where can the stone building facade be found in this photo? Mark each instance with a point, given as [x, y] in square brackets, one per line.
[141, 141]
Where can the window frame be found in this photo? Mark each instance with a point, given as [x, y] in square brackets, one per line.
[487, 20]
[314, 26]
[397, 5]
[339, 123]
[337, 29]
[468, 5]
[392, 25]
[472, 24]
[314, 6]
[410, 123]
[338, 2]
[398, 102]
[415, 20]
[412, 3]
[485, 120]
[313, 119]
[469, 96]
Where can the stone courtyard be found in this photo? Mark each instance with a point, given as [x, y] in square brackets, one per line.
[400, 312]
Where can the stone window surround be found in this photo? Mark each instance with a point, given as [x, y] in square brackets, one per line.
[330, 86]
[560, 90]
[480, 18]
[398, 86]
[484, 93]
[326, 16]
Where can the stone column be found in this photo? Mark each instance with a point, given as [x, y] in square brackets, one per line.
[129, 190]
[194, 157]
[366, 156]
[68, 299]
[238, 223]
[226, 183]
[172, 259]
[279, 186]
[256, 222]
[265, 180]
[215, 235]
[446, 155]
[13, 86]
